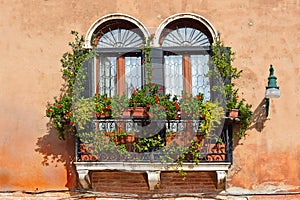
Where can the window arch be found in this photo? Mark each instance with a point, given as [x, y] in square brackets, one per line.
[117, 66]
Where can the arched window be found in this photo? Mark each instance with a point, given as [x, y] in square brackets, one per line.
[186, 51]
[117, 65]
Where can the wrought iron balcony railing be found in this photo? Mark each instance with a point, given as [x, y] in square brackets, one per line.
[153, 141]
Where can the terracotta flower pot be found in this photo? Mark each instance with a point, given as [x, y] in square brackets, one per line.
[170, 137]
[233, 113]
[138, 113]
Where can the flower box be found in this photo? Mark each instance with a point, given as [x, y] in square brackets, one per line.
[137, 113]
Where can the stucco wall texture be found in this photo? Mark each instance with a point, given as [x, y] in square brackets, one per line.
[34, 36]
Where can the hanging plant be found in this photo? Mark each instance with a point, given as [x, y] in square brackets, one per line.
[222, 59]
[60, 112]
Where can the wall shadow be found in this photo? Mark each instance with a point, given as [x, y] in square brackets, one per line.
[56, 151]
[259, 117]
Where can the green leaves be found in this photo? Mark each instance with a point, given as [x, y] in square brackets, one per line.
[222, 59]
[61, 112]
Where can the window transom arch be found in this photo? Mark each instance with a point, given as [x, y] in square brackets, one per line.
[120, 37]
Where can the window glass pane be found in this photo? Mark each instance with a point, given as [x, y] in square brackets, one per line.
[133, 74]
[200, 82]
[107, 76]
[173, 74]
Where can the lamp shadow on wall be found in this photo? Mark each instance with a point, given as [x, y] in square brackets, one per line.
[259, 117]
[56, 151]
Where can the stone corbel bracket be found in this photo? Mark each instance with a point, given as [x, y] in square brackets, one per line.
[221, 179]
[153, 179]
[84, 178]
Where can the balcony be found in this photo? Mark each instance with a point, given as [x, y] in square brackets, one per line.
[153, 146]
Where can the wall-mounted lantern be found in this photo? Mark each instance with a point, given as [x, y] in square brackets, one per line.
[272, 90]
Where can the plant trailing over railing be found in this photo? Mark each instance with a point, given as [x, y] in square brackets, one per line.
[222, 59]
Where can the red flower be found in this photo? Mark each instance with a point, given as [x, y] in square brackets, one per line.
[237, 96]
[71, 123]
[199, 97]
[59, 106]
[156, 99]
[68, 114]
[161, 88]
[148, 105]
[98, 114]
[49, 110]
[202, 116]
[108, 106]
[165, 107]
[177, 106]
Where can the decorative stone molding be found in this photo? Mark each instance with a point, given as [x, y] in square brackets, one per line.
[100, 21]
[153, 170]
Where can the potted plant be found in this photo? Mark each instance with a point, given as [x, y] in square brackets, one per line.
[170, 106]
[191, 106]
[103, 106]
[233, 105]
[60, 113]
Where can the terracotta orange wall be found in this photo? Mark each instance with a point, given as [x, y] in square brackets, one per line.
[34, 36]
